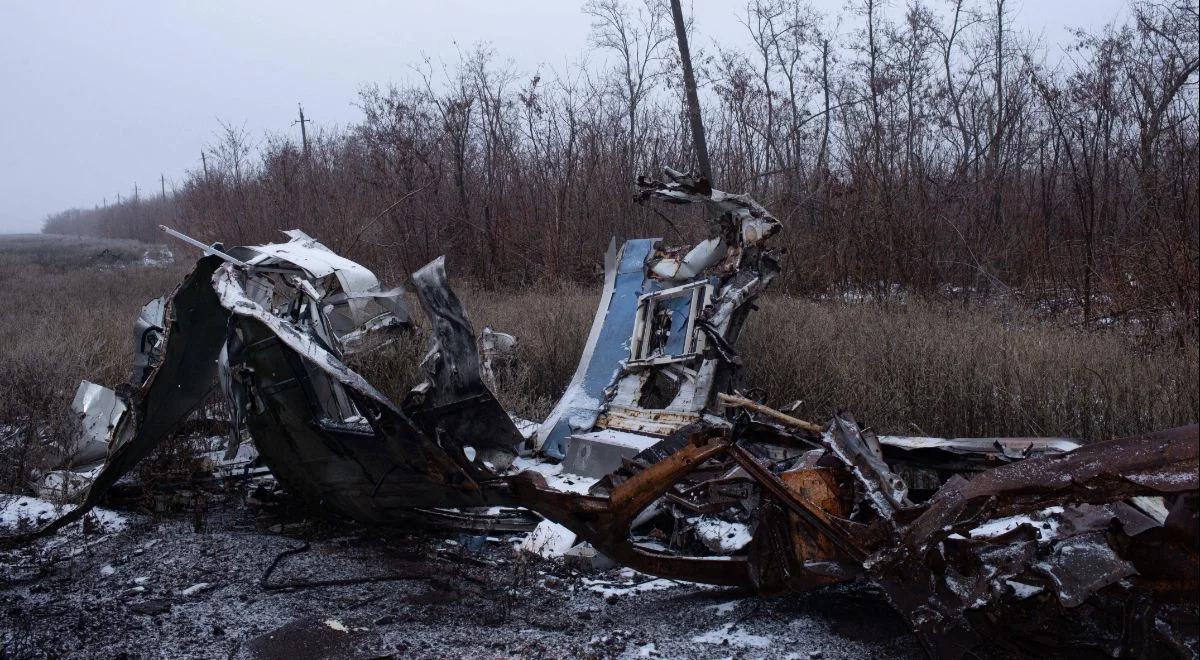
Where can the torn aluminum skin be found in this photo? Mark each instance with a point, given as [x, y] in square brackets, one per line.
[147, 339]
[100, 422]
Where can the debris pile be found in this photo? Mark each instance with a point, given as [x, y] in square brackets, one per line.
[653, 458]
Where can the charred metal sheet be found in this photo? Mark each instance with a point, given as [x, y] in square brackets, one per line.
[605, 521]
[366, 467]
[1155, 464]
[457, 406]
[960, 568]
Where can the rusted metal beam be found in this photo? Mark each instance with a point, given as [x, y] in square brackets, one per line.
[605, 521]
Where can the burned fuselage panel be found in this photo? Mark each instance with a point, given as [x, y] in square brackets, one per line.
[660, 346]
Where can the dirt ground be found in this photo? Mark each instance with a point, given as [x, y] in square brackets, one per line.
[157, 587]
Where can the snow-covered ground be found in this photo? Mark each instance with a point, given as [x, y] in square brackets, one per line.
[158, 588]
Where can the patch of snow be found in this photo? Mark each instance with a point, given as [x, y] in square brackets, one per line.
[19, 512]
[555, 478]
[195, 589]
[107, 570]
[582, 409]
[647, 650]
[1023, 590]
[1044, 522]
[721, 609]
[728, 635]
[607, 589]
[549, 539]
[720, 535]
[337, 625]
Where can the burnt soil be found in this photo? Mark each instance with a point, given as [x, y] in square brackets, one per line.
[188, 585]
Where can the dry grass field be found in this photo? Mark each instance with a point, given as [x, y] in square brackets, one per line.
[916, 368]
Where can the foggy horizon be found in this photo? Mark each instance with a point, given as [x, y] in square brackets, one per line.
[102, 100]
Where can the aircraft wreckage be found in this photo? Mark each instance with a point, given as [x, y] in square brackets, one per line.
[986, 546]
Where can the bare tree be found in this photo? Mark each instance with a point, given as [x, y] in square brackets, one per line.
[637, 36]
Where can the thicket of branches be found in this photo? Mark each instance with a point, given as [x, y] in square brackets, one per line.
[932, 154]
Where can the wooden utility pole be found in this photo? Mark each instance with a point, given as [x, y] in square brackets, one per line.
[135, 192]
[693, 99]
[162, 182]
[204, 164]
[303, 129]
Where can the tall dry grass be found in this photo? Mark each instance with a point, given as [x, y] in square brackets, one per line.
[979, 371]
[932, 368]
[921, 367]
[68, 309]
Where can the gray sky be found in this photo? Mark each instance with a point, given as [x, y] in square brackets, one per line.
[95, 96]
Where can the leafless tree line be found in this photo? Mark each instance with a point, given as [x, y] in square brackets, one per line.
[935, 154]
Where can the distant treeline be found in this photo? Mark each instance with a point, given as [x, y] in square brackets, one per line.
[937, 153]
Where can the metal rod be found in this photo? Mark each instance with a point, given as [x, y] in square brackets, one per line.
[208, 249]
[742, 402]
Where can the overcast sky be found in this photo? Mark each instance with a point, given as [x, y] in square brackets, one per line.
[97, 96]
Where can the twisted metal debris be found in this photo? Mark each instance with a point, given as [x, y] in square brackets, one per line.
[986, 546]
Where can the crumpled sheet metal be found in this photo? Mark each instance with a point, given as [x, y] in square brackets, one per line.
[100, 424]
[458, 407]
[738, 225]
[99, 411]
[354, 304]
[1161, 463]
[315, 258]
[369, 470]
[862, 455]
[233, 298]
[966, 592]
[326, 431]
